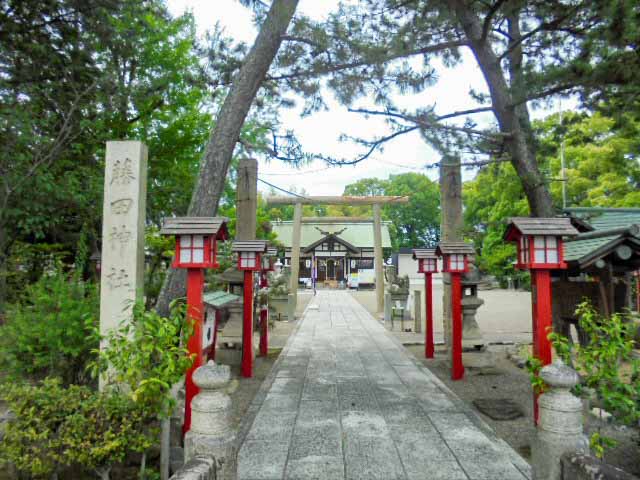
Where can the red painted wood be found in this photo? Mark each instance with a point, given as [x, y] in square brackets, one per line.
[195, 285]
[541, 317]
[457, 368]
[246, 367]
[428, 340]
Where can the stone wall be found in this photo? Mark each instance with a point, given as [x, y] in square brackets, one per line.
[198, 468]
[583, 467]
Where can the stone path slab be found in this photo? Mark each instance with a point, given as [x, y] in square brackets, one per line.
[346, 401]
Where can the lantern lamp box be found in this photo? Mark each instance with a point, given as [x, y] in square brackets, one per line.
[269, 259]
[427, 260]
[250, 253]
[196, 240]
[539, 241]
[455, 256]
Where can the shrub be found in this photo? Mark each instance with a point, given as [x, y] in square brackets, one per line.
[56, 428]
[148, 357]
[611, 343]
[45, 334]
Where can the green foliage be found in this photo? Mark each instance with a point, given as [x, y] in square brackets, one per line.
[26, 263]
[46, 331]
[415, 224]
[148, 357]
[601, 157]
[533, 366]
[56, 427]
[159, 250]
[611, 344]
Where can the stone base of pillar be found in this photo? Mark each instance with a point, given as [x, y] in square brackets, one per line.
[211, 434]
[560, 428]
[291, 307]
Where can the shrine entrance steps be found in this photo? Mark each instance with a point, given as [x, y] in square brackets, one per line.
[345, 400]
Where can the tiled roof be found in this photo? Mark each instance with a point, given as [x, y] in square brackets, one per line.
[448, 248]
[249, 246]
[192, 225]
[578, 249]
[602, 220]
[358, 233]
[543, 226]
[424, 253]
[219, 299]
[607, 218]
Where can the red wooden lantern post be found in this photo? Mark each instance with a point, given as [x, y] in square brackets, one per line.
[249, 260]
[196, 249]
[540, 249]
[267, 266]
[427, 264]
[455, 261]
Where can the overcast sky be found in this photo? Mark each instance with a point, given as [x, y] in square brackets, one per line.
[320, 131]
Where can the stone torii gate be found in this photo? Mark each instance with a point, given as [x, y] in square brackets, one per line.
[374, 201]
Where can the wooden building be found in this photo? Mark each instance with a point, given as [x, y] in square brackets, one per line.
[342, 249]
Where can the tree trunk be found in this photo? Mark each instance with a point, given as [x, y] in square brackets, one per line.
[223, 139]
[519, 143]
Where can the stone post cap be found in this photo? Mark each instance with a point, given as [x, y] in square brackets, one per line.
[559, 375]
[212, 376]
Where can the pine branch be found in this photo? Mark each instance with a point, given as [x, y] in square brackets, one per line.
[360, 63]
[487, 20]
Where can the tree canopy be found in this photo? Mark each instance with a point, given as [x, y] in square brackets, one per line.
[602, 158]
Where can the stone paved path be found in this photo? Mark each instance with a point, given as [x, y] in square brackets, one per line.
[346, 401]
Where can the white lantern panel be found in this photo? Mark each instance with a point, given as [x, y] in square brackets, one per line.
[539, 256]
[551, 242]
[185, 254]
[198, 255]
[552, 256]
[248, 259]
[185, 240]
[538, 242]
[198, 241]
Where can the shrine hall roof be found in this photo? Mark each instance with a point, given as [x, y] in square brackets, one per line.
[611, 227]
[357, 232]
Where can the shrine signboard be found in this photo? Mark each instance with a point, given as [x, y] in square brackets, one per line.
[123, 220]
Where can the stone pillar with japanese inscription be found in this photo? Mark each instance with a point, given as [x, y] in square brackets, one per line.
[123, 221]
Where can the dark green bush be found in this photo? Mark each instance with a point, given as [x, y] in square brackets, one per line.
[56, 428]
[45, 334]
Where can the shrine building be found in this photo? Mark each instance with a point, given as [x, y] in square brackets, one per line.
[341, 248]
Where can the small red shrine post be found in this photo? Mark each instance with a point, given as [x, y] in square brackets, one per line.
[427, 264]
[267, 266]
[455, 261]
[196, 249]
[540, 249]
[249, 261]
